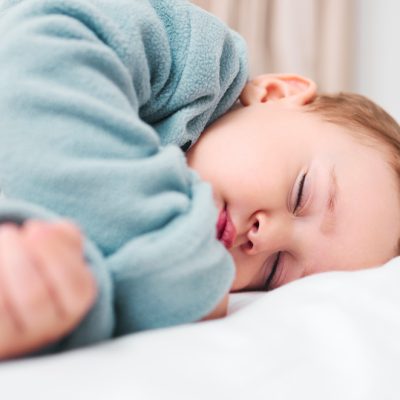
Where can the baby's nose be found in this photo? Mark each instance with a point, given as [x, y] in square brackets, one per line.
[267, 234]
[249, 245]
[257, 236]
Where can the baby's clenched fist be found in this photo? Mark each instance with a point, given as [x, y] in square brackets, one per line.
[45, 286]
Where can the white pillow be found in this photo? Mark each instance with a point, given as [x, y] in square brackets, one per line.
[329, 336]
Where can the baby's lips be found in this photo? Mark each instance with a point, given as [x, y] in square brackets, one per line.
[226, 231]
[229, 234]
[221, 222]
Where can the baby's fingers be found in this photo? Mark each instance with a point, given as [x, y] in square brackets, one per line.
[57, 250]
[28, 311]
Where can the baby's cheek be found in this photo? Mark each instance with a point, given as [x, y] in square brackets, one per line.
[249, 272]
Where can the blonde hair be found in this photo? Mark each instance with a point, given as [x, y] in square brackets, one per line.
[365, 119]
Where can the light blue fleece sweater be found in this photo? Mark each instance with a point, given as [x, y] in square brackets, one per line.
[96, 97]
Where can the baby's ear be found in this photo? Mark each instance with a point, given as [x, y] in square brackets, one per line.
[284, 88]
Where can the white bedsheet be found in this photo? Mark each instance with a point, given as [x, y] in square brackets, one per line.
[329, 336]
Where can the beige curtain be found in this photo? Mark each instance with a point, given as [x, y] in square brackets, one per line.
[309, 37]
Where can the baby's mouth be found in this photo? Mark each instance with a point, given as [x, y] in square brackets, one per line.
[226, 231]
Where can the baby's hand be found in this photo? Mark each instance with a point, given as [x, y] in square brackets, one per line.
[45, 286]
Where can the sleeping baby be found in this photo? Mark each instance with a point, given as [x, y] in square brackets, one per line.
[136, 197]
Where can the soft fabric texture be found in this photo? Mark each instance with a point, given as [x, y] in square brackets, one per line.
[96, 97]
[329, 336]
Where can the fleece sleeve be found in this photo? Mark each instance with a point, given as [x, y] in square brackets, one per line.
[95, 99]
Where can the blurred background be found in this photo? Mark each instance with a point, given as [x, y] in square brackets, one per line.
[344, 45]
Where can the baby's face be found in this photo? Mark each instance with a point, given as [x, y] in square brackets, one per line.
[300, 188]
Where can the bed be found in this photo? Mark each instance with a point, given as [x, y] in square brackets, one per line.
[329, 336]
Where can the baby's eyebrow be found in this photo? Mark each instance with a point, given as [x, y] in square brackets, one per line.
[329, 220]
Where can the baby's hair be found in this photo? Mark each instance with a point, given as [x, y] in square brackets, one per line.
[365, 120]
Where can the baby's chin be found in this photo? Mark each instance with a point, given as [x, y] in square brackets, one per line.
[236, 106]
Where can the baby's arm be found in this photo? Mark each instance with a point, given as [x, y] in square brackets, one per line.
[45, 285]
[103, 158]
[220, 311]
